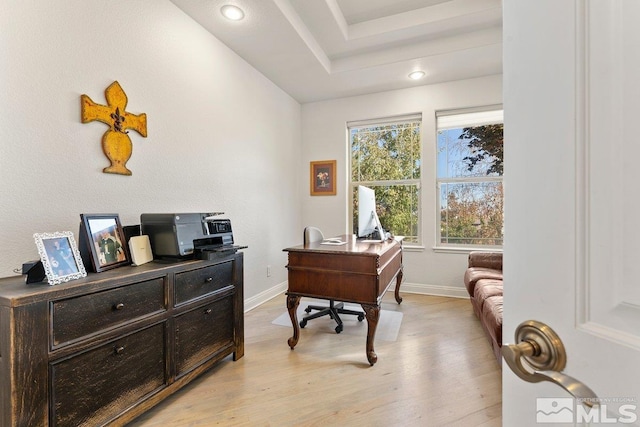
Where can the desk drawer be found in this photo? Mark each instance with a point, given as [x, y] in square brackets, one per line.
[203, 332]
[85, 315]
[93, 387]
[194, 284]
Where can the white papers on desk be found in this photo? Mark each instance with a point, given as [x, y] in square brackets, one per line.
[334, 242]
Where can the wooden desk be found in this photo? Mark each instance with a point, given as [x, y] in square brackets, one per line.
[358, 272]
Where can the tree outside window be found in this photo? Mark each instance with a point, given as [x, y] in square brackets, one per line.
[386, 157]
[470, 166]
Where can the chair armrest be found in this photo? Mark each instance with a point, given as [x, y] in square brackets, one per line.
[492, 260]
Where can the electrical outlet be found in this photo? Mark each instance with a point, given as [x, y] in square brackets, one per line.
[268, 271]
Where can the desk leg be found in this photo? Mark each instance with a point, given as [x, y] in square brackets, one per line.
[292, 306]
[398, 281]
[372, 312]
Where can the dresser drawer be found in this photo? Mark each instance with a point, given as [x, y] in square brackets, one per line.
[203, 332]
[194, 284]
[93, 387]
[74, 318]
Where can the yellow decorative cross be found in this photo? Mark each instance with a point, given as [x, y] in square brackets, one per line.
[116, 143]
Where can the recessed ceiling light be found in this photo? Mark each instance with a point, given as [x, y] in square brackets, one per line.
[416, 75]
[232, 12]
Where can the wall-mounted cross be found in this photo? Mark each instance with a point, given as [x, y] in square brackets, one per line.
[116, 143]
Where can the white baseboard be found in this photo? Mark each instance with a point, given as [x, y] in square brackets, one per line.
[412, 288]
[264, 296]
[437, 290]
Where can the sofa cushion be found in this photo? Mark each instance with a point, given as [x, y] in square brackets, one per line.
[484, 289]
[492, 317]
[473, 274]
[492, 260]
[483, 280]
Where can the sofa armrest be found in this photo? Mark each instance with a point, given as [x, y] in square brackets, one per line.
[492, 260]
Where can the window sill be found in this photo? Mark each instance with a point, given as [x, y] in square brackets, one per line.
[464, 249]
[412, 248]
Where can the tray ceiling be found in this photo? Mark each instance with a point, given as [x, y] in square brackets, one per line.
[324, 49]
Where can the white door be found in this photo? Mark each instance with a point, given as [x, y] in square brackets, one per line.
[572, 200]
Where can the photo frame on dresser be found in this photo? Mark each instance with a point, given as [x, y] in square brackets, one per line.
[102, 242]
[59, 256]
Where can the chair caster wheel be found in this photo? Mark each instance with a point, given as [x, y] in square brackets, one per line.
[303, 323]
[360, 317]
[338, 329]
[307, 310]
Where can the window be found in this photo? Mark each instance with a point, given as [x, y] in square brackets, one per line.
[385, 156]
[469, 177]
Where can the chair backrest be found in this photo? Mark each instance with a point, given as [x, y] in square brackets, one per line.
[312, 234]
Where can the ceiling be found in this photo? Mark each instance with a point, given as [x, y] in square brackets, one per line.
[325, 49]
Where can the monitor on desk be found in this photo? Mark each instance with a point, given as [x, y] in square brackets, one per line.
[369, 226]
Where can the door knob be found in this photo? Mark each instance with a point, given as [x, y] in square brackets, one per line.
[539, 347]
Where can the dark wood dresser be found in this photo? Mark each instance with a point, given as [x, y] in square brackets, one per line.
[104, 349]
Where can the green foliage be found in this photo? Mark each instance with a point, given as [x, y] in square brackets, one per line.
[387, 159]
[385, 153]
[473, 214]
[398, 209]
[487, 144]
[383, 157]
[471, 205]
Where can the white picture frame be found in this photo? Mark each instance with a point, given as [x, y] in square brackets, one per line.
[60, 256]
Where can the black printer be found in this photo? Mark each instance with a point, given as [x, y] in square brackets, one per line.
[201, 235]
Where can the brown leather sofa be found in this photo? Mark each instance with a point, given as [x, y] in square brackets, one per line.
[483, 280]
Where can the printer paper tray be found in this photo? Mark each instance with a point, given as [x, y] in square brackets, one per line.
[220, 248]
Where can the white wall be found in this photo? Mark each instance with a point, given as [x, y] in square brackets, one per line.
[221, 137]
[324, 136]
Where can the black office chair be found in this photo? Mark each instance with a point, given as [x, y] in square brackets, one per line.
[313, 234]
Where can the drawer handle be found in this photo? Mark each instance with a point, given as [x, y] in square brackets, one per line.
[207, 311]
[209, 279]
[119, 306]
[119, 350]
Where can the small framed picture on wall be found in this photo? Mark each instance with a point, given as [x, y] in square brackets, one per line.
[323, 178]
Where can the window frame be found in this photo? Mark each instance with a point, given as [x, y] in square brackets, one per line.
[417, 182]
[454, 247]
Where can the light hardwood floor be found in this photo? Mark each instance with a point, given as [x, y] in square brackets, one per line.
[439, 372]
